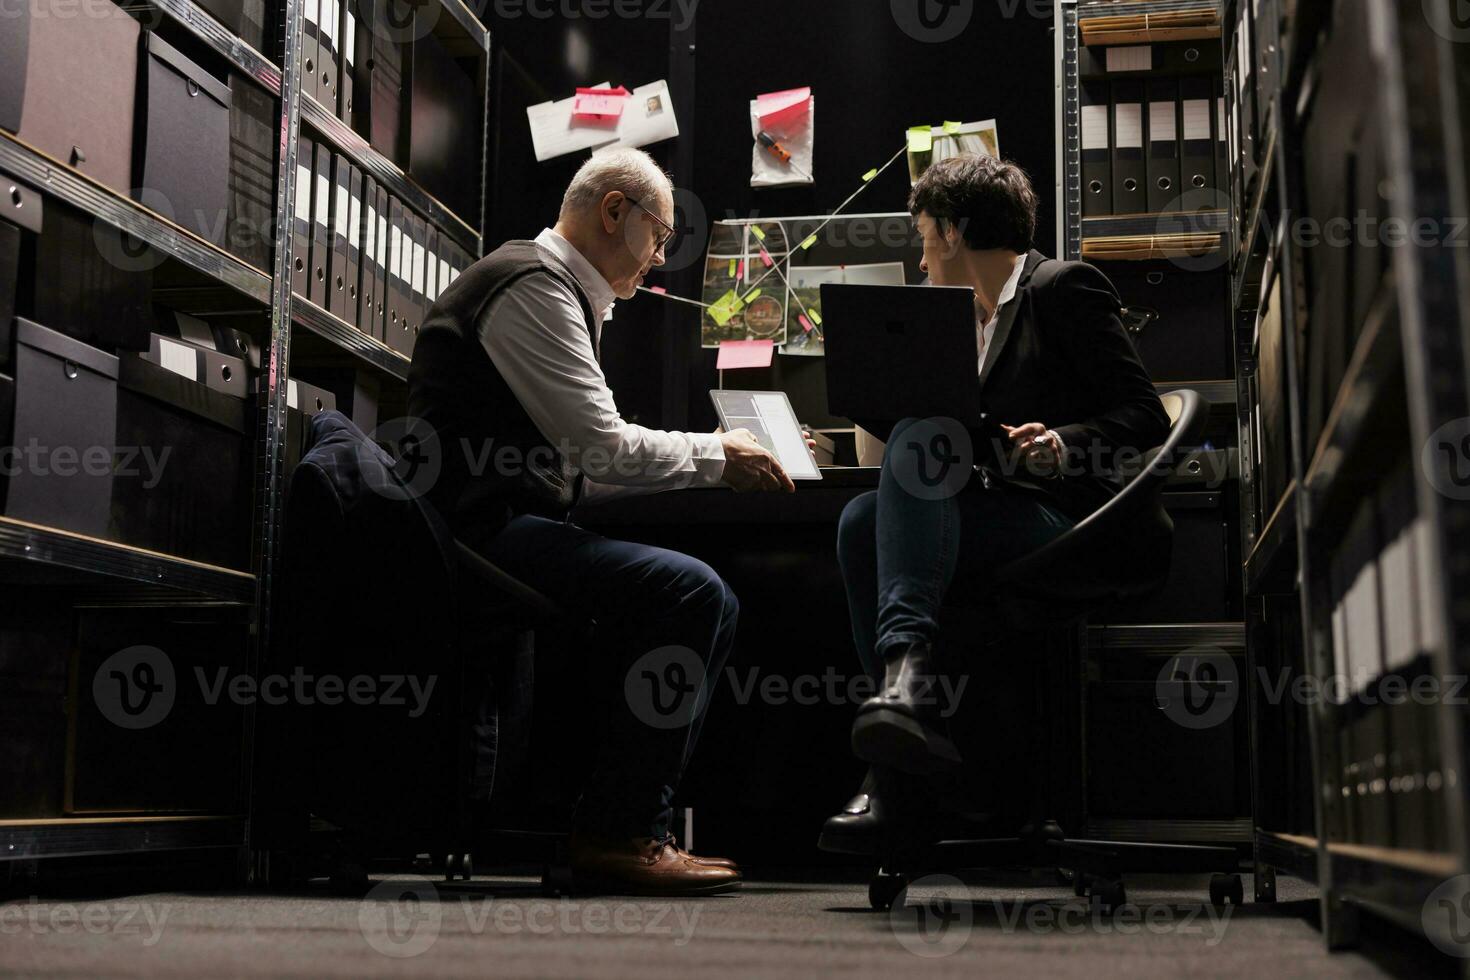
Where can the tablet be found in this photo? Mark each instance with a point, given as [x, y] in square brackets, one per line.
[768, 415]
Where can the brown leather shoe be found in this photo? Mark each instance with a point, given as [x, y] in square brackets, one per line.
[713, 862]
[645, 866]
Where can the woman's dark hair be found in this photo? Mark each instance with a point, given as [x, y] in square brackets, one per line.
[990, 201]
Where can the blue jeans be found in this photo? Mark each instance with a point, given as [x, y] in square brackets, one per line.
[900, 550]
[665, 626]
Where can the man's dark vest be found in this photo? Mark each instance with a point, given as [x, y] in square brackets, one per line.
[495, 462]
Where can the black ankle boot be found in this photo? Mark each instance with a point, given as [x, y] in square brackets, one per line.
[903, 726]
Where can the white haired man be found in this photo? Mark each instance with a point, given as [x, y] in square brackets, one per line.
[506, 372]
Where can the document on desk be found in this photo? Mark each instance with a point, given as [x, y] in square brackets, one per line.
[769, 416]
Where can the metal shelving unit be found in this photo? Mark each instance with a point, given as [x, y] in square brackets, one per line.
[90, 567]
[1152, 233]
[1405, 375]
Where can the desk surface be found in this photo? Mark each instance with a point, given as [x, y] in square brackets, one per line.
[821, 501]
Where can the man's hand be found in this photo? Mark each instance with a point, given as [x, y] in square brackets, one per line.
[748, 466]
[1038, 446]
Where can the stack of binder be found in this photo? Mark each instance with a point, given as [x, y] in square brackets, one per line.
[361, 254]
[1149, 146]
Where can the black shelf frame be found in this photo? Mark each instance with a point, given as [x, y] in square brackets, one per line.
[54, 179]
[92, 836]
[345, 337]
[92, 559]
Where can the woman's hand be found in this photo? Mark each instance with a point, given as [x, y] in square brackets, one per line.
[1039, 446]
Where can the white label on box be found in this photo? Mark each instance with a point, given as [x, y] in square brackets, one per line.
[1197, 119]
[418, 267]
[323, 190]
[397, 251]
[370, 246]
[340, 212]
[453, 274]
[1139, 58]
[303, 193]
[179, 358]
[1129, 122]
[444, 277]
[350, 41]
[310, 12]
[383, 240]
[354, 222]
[1163, 126]
[1094, 127]
[291, 396]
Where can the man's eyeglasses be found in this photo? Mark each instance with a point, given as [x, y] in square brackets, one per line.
[664, 239]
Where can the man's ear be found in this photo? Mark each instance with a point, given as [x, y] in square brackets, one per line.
[614, 203]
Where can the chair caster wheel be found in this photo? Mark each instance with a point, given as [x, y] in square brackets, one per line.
[1081, 882]
[349, 878]
[1226, 887]
[886, 891]
[556, 881]
[459, 866]
[1107, 895]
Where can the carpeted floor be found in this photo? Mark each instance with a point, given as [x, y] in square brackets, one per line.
[777, 927]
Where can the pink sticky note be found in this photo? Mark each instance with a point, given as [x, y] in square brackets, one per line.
[774, 108]
[600, 104]
[806, 325]
[735, 354]
[766, 258]
[657, 289]
[740, 273]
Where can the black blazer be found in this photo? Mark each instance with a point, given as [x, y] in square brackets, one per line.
[1060, 356]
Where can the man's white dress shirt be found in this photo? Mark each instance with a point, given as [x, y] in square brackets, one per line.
[536, 337]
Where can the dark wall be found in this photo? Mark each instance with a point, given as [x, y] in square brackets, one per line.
[871, 79]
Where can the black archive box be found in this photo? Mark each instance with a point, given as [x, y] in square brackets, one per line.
[1177, 319]
[183, 142]
[185, 490]
[58, 413]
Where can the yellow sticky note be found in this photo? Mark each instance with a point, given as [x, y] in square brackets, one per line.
[921, 139]
[812, 240]
[870, 174]
[752, 295]
[816, 317]
[756, 231]
[722, 309]
[732, 268]
[950, 128]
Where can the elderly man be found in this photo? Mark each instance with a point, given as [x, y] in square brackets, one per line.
[506, 372]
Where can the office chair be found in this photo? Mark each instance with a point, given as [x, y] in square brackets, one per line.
[1119, 552]
[373, 583]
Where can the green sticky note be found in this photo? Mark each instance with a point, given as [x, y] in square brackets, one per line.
[870, 174]
[750, 296]
[921, 139]
[732, 268]
[756, 231]
[950, 128]
[815, 317]
[809, 242]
